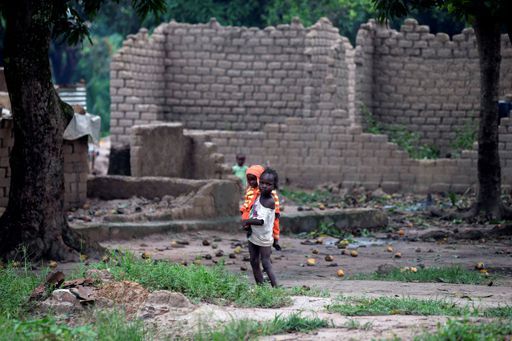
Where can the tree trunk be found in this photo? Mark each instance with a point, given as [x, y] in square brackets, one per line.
[489, 171]
[35, 217]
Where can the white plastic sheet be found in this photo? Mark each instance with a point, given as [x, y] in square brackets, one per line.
[82, 125]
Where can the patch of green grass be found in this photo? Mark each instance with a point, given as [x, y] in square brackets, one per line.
[361, 306]
[329, 229]
[454, 274]
[112, 325]
[304, 198]
[465, 137]
[500, 312]
[108, 325]
[355, 324]
[208, 284]
[407, 140]
[16, 285]
[250, 329]
[465, 330]
[46, 328]
[307, 291]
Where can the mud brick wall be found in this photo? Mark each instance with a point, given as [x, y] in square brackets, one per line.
[229, 78]
[137, 83]
[76, 167]
[165, 149]
[428, 83]
[233, 78]
[410, 77]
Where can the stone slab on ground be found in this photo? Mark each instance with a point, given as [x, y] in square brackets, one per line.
[344, 219]
[119, 231]
[348, 219]
[109, 187]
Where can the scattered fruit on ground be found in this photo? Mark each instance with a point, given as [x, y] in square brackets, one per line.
[354, 253]
[398, 255]
[315, 251]
[83, 257]
[146, 255]
[340, 273]
[52, 264]
[329, 258]
[321, 206]
[197, 261]
[401, 232]
[343, 244]
[311, 262]
[413, 269]
[243, 268]
[237, 250]
[389, 248]
[206, 242]
[480, 266]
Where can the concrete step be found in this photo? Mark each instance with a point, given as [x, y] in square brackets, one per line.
[348, 220]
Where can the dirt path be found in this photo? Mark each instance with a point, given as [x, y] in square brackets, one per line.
[474, 295]
[290, 263]
[370, 327]
[291, 271]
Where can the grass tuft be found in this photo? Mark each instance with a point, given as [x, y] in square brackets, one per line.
[465, 330]
[354, 324]
[307, 291]
[454, 274]
[16, 285]
[251, 329]
[200, 283]
[361, 306]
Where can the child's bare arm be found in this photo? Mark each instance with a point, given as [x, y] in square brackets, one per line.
[252, 222]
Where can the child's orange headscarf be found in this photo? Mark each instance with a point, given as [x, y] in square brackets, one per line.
[255, 170]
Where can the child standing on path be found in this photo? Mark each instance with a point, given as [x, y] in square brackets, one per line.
[240, 168]
[261, 220]
[251, 193]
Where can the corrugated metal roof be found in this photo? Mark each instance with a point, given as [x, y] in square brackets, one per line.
[73, 95]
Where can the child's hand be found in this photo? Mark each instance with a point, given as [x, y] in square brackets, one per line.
[276, 245]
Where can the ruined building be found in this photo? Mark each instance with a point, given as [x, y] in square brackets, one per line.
[294, 97]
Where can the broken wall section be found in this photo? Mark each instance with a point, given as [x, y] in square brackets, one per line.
[425, 82]
[76, 167]
[137, 83]
[165, 149]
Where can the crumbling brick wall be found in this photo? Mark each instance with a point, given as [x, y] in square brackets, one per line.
[165, 149]
[425, 82]
[76, 167]
[289, 97]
